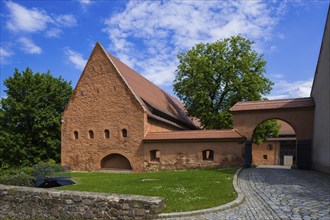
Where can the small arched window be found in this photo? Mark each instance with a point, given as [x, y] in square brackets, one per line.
[75, 135]
[269, 147]
[91, 134]
[155, 155]
[124, 133]
[106, 133]
[208, 155]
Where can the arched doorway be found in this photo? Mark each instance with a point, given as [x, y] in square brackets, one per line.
[298, 112]
[115, 161]
[274, 143]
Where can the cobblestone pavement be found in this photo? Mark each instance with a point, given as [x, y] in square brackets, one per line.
[279, 194]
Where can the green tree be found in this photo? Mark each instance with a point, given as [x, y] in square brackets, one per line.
[31, 118]
[264, 130]
[212, 77]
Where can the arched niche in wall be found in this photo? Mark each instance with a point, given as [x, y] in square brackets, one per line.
[116, 161]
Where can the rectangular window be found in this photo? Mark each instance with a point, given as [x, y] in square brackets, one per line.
[91, 134]
[154, 155]
[208, 155]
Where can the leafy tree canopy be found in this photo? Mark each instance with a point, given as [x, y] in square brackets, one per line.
[212, 77]
[264, 130]
[31, 118]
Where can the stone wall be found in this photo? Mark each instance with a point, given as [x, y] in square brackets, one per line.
[25, 202]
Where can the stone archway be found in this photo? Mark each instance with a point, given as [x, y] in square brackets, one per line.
[116, 161]
[299, 113]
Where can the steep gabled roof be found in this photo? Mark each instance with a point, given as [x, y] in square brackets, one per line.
[159, 104]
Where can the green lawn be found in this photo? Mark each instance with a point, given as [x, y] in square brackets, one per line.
[183, 190]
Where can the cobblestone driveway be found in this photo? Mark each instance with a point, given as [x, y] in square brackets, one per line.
[279, 194]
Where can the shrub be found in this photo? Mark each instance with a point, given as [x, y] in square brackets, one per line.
[17, 176]
[41, 171]
[16, 171]
[18, 180]
[26, 176]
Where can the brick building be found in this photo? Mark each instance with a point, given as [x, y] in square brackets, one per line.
[117, 119]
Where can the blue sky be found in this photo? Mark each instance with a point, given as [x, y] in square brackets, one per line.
[59, 36]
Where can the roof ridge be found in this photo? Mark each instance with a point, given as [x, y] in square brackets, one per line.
[194, 131]
[274, 100]
[273, 104]
[193, 135]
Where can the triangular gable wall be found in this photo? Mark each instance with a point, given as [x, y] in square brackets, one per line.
[102, 101]
[93, 76]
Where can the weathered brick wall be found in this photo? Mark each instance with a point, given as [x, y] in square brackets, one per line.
[101, 100]
[186, 155]
[259, 151]
[35, 203]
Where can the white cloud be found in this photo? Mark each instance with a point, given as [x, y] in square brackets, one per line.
[76, 59]
[273, 48]
[28, 46]
[24, 20]
[283, 89]
[66, 20]
[5, 53]
[163, 29]
[85, 2]
[161, 73]
[54, 32]
[275, 76]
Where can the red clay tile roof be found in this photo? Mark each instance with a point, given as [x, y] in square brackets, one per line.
[157, 101]
[193, 135]
[273, 104]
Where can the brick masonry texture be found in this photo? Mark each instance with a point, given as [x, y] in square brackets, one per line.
[35, 203]
[104, 100]
[179, 155]
[260, 150]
